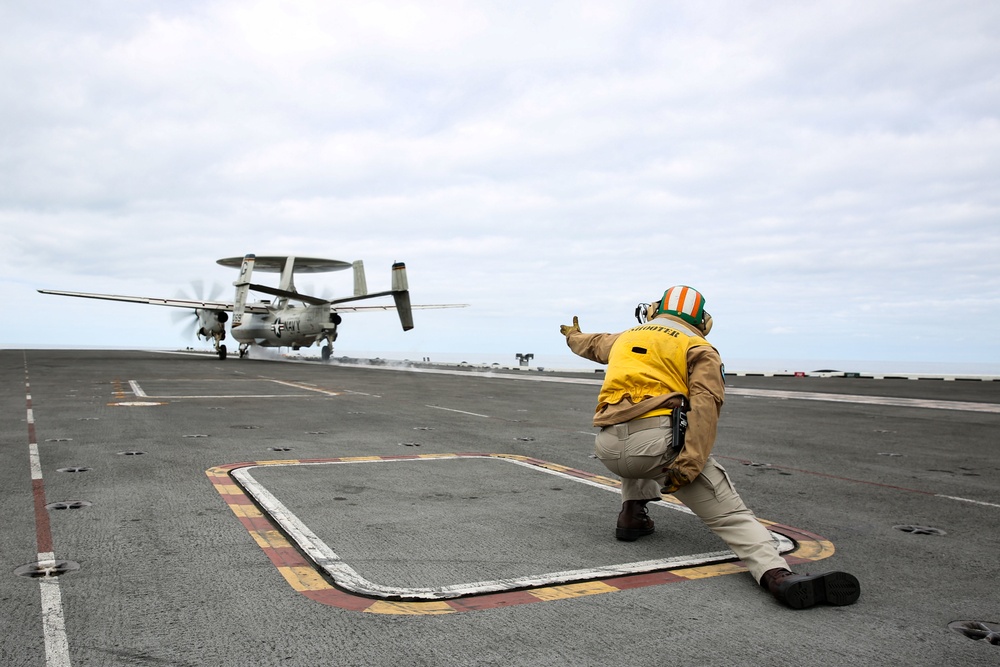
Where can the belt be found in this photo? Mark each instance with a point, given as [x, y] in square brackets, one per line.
[645, 423]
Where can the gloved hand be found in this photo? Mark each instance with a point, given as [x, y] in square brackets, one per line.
[675, 480]
[567, 329]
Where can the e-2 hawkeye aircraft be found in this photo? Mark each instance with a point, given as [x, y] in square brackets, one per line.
[294, 319]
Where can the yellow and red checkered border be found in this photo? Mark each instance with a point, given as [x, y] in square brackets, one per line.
[304, 577]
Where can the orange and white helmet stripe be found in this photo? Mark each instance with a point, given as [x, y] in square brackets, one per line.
[684, 302]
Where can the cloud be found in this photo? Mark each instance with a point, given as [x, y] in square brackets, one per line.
[826, 175]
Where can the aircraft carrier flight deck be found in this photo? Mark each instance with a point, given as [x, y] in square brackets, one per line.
[175, 509]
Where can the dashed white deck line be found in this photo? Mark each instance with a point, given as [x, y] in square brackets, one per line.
[136, 389]
[36, 462]
[54, 624]
[53, 616]
[346, 576]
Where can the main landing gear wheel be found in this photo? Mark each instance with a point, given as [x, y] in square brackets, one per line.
[222, 352]
[326, 352]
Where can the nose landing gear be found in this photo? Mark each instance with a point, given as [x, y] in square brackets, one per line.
[220, 348]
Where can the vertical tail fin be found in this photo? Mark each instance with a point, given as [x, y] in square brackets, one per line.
[288, 275]
[401, 295]
[242, 285]
[360, 284]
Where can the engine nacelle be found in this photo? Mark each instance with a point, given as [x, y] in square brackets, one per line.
[212, 323]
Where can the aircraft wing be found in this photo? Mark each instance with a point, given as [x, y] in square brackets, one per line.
[228, 305]
[358, 309]
[157, 301]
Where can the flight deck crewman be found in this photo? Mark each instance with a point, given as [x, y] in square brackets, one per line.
[655, 368]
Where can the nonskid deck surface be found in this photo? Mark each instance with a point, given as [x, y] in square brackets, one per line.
[456, 492]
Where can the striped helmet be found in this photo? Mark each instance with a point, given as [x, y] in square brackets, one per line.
[684, 302]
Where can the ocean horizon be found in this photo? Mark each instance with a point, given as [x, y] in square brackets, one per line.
[573, 362]
[734, 365]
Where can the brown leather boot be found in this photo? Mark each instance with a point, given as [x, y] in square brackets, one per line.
[633, 521]
[801, 591]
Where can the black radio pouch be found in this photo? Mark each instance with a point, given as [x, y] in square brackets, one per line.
[679, 424]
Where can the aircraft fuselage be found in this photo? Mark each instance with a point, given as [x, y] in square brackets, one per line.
[288, 326]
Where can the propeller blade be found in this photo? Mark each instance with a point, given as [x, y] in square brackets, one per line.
[325, 293]
[187, 320]
[197, 291]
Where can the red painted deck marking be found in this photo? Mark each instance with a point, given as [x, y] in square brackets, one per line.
[43, 531]
[53, 617]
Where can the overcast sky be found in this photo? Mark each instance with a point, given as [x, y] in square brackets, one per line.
[825, 173]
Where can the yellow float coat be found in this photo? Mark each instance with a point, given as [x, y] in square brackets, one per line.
[647, 361]
[703, 380]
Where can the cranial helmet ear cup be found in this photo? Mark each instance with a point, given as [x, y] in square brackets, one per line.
[706, 324]
[652, 310]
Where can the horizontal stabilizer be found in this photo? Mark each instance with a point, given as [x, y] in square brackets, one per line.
[274, 291]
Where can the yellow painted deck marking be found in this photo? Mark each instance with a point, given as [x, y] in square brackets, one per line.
[410, 608]
[816, 550]
[709, 571]
[246, 511]
[303, 578]
[572, 590]
[270, 538]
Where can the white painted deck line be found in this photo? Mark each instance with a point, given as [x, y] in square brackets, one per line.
[734, 391]
[866, 400]
[967, 500]
[347, 577]
[233, 396]
[463, 412]
[54, 624]
[300, 385]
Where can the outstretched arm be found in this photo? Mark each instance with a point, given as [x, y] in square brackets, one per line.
[595, 347]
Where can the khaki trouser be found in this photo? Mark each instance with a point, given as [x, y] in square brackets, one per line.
[639, 450]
